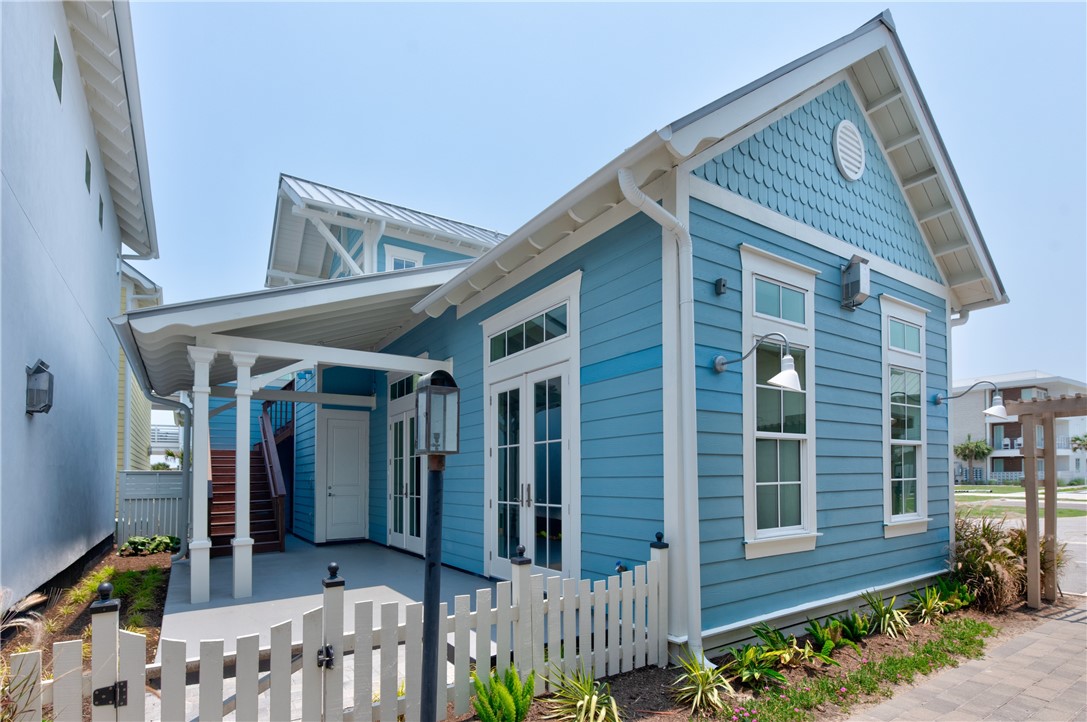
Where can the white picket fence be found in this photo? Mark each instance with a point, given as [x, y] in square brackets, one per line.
[537, 623]
[149, 503]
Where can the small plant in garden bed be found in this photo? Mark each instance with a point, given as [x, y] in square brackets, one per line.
[580, 698]
[503, 699]
[885, 617]
[142, 545]
[700, 685]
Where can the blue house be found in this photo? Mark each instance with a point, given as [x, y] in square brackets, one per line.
[620, 355]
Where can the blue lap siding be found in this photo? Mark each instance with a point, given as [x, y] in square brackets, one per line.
[620, 414]
[852, 553]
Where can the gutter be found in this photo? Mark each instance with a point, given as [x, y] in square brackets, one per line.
[688, 428]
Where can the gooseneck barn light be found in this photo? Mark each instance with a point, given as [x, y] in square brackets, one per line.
[997, 410]
[787, 378]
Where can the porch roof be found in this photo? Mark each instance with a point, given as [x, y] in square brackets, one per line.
[313, 322]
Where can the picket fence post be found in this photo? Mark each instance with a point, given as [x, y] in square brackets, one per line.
[521, 568]
[332, 681]
[105, 620]
[658, 552]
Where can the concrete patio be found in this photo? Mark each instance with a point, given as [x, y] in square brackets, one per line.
[288, 584]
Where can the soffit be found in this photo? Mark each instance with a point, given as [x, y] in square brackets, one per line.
[102, 37]
[356, 313]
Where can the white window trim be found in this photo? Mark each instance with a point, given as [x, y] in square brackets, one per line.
[916, 523]
[404, 254]
[759, 263]
[549, 353]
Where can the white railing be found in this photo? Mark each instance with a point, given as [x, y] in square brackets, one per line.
[149, 503]
[605, 627]
[163, 435]
[1006, 476]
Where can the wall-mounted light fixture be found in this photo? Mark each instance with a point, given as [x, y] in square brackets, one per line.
[997, 410]
[39, 388]
[787, 378]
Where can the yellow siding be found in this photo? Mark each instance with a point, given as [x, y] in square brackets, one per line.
[139, 428]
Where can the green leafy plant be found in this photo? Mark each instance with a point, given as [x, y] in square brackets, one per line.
[810, 655]
[955, 594]
[701, 685]
[927, 605]
[579, 697]
[503, 699]
[855, 625]
[986, 563]
[824, 634]
[885, 616]
[754, 665]
[142, 545]
[784, 649]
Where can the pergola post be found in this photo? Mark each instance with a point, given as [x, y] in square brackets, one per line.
[200, 546]
[1030, 486]
[1049, 592]
[242, 542]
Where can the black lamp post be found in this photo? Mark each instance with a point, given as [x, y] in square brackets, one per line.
[437, 418]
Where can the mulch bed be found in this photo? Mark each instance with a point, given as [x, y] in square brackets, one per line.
[71, 625]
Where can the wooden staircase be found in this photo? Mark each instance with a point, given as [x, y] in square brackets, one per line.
[263, 525]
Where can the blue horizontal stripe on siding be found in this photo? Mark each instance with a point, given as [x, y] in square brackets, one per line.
[621, 378]
[852, 552]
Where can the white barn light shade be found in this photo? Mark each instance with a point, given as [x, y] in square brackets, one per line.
[997, 409]
[787, 378]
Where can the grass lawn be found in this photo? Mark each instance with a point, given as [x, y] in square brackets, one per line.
[1004, 489]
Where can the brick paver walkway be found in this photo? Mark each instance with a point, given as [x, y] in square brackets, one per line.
[1039, 675]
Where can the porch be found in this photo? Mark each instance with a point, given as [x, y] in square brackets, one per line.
[287, 585]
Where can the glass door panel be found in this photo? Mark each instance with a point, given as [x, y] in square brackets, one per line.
[547, 473]
[507, 407]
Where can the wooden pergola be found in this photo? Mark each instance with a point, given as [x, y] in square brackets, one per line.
[1032, 414]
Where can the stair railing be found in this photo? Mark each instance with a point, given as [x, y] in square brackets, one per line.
[275, 475]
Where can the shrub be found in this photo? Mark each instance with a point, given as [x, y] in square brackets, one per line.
[503, 699]
[855, 626]
[954, 594]
[579, 697]
[928, 605]
[700, 685]
[142, 546]
[885, 617]
[754, 665]
[986, 563]
[1017, 544]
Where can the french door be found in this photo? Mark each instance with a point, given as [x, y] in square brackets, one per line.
[407, 496]
[529, 471]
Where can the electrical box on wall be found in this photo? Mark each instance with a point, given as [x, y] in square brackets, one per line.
[856, 283]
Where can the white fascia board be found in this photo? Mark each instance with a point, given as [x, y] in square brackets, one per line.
[321, 354]
[437, 301]
[123, 19]
[764, 99]
[290, 302]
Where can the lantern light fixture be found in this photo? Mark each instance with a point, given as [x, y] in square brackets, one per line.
[437, 417]
[39, 388]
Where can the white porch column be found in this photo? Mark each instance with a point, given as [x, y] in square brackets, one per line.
[242, 542]
[200, 546]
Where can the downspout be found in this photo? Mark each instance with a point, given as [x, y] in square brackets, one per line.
[688, 456]
[961, 319]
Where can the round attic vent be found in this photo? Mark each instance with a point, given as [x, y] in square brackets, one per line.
[849, 150]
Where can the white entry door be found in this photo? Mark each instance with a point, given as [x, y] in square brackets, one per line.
[529, 472]
[344, 438]
[407, 486]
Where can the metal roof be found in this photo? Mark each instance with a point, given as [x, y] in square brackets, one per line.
[336, 199]
[102, 38]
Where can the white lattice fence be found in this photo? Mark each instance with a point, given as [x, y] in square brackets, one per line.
[606, 626]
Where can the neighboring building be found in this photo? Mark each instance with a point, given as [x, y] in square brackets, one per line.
[1006, 435]
[821, 205]
[76, 202]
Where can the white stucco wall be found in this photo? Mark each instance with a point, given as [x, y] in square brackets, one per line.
[59, 283]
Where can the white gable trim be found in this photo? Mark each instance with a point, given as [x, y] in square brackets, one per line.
[728, 201]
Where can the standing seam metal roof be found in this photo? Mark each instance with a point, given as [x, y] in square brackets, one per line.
[318, 193]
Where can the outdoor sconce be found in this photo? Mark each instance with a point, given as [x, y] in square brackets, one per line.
[437, 417]
[787, 378]
[39, 388]
[997, 410]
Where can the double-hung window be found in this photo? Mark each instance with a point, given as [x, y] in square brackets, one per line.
[779, 425]
[905, 497]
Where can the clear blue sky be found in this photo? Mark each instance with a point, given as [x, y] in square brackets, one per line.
[488, 113]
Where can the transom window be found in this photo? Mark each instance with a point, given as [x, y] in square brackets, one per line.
[778, 300]
[905, 493]
[904, 336]
[527, 334]
[399, 264]
[779, 443]
[403, 387]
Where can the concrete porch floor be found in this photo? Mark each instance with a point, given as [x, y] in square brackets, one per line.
[288, 584]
